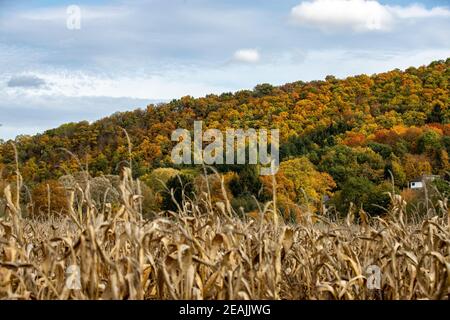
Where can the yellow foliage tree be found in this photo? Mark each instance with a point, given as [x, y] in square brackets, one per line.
[416, 165]
[298, 182]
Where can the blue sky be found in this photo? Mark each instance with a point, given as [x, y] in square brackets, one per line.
[128, 54]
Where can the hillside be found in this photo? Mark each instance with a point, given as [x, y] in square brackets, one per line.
[341, 138]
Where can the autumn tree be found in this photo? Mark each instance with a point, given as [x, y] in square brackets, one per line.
[49, 197]
[299, 181]
[416, 165]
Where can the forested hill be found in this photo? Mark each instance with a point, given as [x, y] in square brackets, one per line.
[355, 127]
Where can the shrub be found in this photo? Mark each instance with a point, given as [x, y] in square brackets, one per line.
[215, 185]
[180, 185]
[244, 204]
[159, 177]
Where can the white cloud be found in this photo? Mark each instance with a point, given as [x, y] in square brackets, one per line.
[87, 13]
[418, 11]
[246, 55]
[358, 15]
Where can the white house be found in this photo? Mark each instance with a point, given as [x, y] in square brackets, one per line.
[420, 182]
[416, 184]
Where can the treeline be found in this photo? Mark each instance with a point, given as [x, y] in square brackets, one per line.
[342, 140]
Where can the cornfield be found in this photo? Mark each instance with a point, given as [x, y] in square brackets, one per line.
[205, 251]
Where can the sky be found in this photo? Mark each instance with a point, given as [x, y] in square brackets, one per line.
[64, 61]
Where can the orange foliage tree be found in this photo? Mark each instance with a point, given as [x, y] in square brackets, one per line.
[49, 197]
